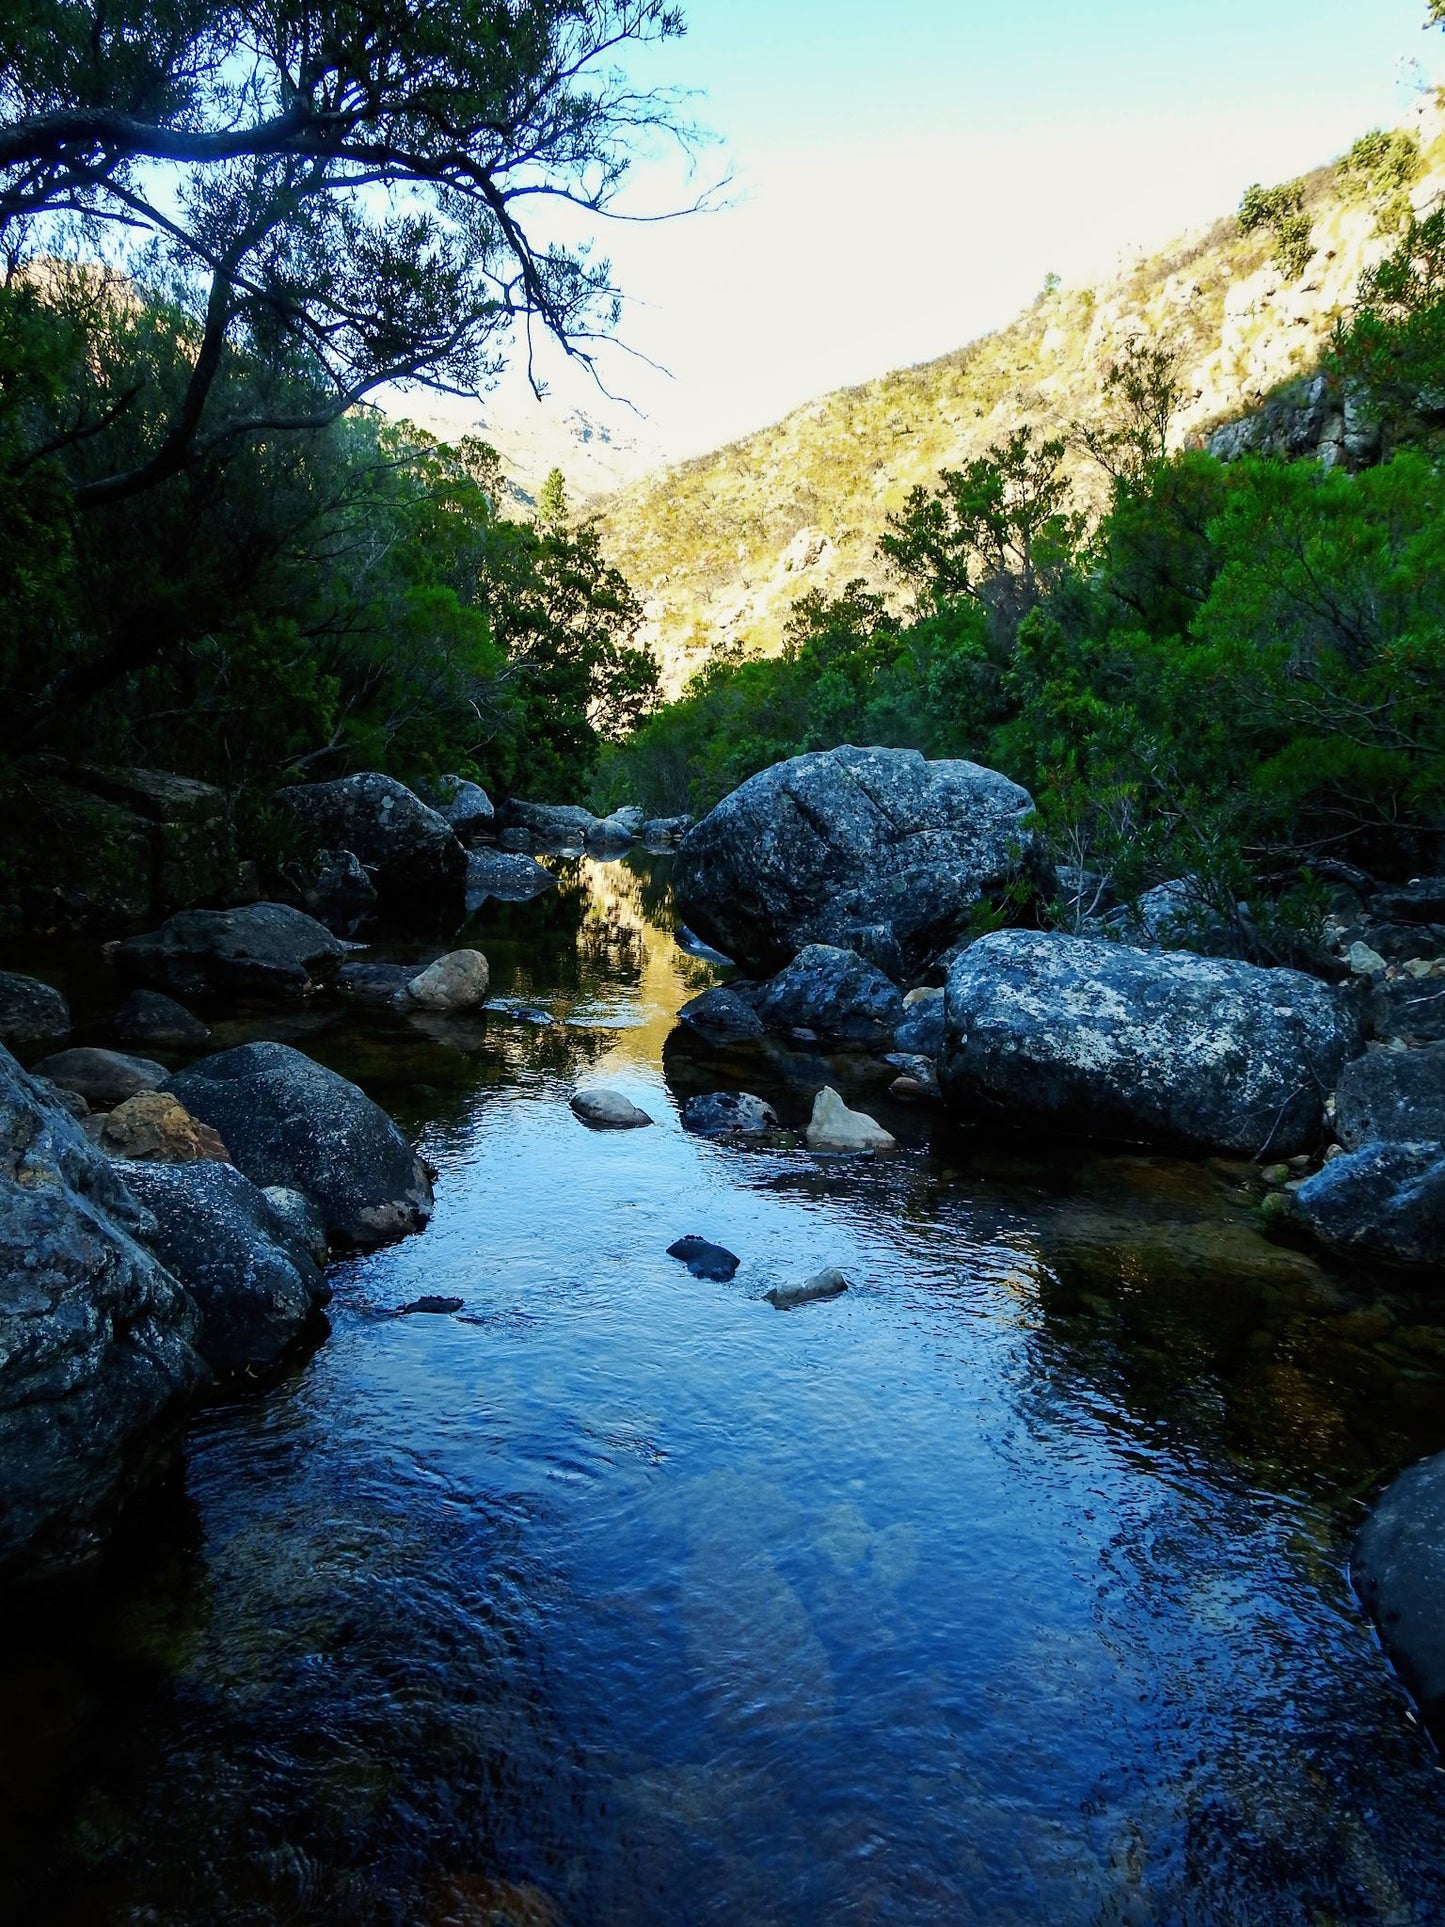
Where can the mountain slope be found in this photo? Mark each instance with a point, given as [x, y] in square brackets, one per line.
[721, 546]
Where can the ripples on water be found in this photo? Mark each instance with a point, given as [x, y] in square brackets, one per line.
[1009, 1588]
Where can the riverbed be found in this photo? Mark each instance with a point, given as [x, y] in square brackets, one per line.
[1009, 1588]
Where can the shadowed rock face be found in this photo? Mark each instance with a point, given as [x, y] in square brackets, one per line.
[835, 992]
[289, 1121]
[1399, 1573]
[1097, 1039]
[408, 849]
[1394, 1097]
[31, 1012]
[98, 1359]
[267, 949]
[873, 850]
[1384, 1201]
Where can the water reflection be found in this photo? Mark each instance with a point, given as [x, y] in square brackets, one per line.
[1008, 1588]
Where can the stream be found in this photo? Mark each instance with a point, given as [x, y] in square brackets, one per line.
[1010, 1588]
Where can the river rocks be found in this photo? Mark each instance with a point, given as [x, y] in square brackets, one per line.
[257, 1286]
[721, 1016]
[409, 851]
[31, 1012]
[1421, 900]
[918, 1082]
[1398, 1570]
[376, 983]
[827, 1284]
[704, 1260]
[1384, 1201]
[156, 1128]
[457, 982]
[1098, 1039]
[506, 875]
[150, 1017]
[340, 889]
[464, 807]
[665, 832]
[873, 850]
[101, 1077]
[292, 1122]
[549, 826]
[608, 1111]
[263, 949]
[729, 1114]
[616, 832]
[921, 1032]
[431, 1308]
[98, 1363]
[834, 992]
[834, 1128]
[1397, 1097]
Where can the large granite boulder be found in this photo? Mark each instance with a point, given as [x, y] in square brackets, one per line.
[409, 850]
[98, 1359]
[835, 992]
[263, 949]
[1399, 1572]
[1097, 1039]
[873, 850]
[1392, 1097]
[288, 1120]
[1384, 1202]
[257, 1285]
[31, 1012]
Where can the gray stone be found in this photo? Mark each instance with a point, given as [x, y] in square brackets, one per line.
[608, 1111]
[550, 826]
[341, 890]
[505, 875]
[102, 1077]
[665, 832]
[918, 1072]
[457, 982]
[833, 1128]
[721, 1016]
[729, 1114]
[376, 983]
[827, 1284]
[257, 1286]
[412, 856]
[289, 1121]
[921, 1032]
[1421, 900]
[464, 806]
[1394, 1097]
[1398, 1570]
[616, 832]
[874, 850]
[302, 1221]
[150, 1017]
[31, 1012]
[1097, 1039]
[1384, 1201]
[98, 1362]
[261, 949]
[1409, 1010]
[836, 993]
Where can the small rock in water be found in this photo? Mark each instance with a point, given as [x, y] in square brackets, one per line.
[456, 982]
[704, 1260]
[729, 1114]
[827, 1284]
[608, 1111]
[434, 1307]
[835, 1128]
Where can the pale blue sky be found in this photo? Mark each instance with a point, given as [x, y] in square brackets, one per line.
[905, 174]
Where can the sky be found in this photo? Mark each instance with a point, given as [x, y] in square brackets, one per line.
[903, 176]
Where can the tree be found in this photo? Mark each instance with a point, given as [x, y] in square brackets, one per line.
[340, 189]
[553, 509]
[1141, 396]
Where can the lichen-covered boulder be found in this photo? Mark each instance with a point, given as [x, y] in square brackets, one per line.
[1384, 1202]
[409, 851]
[257, 1285]
[873, 850]
[835, 992]
[262, 949]
[1392, 1097]
[31, 1012]
[1398, 1570]
[288, 1120]
[1096, 1039]
[98, 1358]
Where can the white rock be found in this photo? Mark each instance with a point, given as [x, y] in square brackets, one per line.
[458, 981]
[925, 994]
[1364, 961]
[608, 1111]
[833, 1127]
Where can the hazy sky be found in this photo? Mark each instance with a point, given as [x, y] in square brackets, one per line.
[905, 174]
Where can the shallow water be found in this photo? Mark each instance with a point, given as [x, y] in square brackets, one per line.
[1009, 1588]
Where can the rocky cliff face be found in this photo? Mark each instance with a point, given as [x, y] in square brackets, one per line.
[723, 546]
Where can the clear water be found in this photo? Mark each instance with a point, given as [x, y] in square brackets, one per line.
[1010, 1588]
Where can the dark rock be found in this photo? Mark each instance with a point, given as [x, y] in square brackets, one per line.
[692, 944]
[919, 1075]
[1098, 1039]
[1398, 1570]
[874, 850]
[549, 826]
[1393, 1097]
[1174, 916]
[376, 983]
[289, 1121]
[257, 1285]
[341, 890]
[262, 949]
[187, 826]
[729, 1114]
[71, 1102]
[613, 833]
[722, 1017]
[98, 1364]
[431, 1307]
[827, 1284]
[1384, 1201]
[301, 1220]
[517, 842]
[704, 1260]
[102, 1077]
[508, 877]
[150, 1017]
[465, 807]
[1409, 1010]
[921, 1032]
[836, 993]
[409, 850]
[665, 832]
[31, 1012]
[1421, 900]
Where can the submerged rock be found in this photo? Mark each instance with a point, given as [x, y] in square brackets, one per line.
[729, 1114]
[834, 1128]
[1395, 1097]
[1399, 1572]
[290, 1121]
[31, 1012]
[98, 1359]
[1097, 1039]
[836, 993]
[376, 983]
[150, 1017]
[608, 1111]
[258, 1287]
[827, 1284]
[102, 1077]
[263, 949]
[156, 1128]
[873, 850]
[705, 1260]
[431, 1308]
[1384, 1201]
[409, 851]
